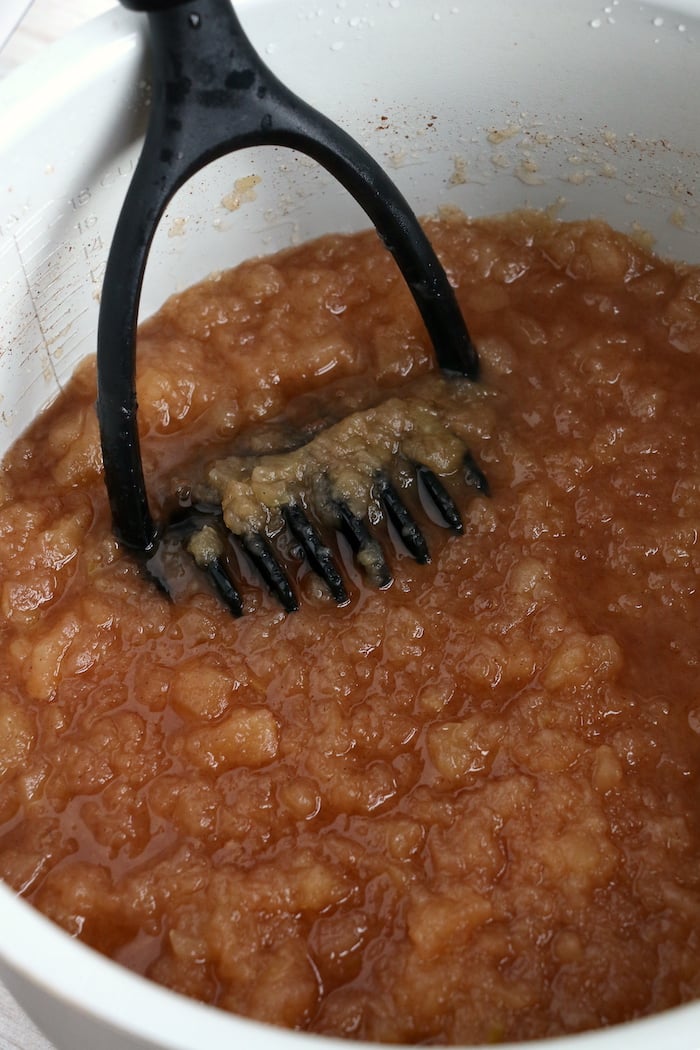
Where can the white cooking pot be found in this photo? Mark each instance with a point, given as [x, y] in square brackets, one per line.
[587, 106]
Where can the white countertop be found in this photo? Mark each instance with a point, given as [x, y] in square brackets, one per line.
[16, 1030]
[44, 22]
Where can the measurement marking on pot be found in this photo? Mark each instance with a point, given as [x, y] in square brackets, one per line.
[60, 277]
[35, 307]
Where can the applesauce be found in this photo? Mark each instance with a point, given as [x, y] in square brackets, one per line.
[459, 809]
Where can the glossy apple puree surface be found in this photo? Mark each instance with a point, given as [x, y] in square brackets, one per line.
[464, 808]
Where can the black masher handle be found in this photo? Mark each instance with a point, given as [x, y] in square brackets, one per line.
[212, 94]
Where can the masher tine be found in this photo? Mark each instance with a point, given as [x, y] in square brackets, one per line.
[201, 529]
[474, 475]
[441, 498]
[320, 556]
[223, 585]
[262, 556]
[367, 549]
[403, 520]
